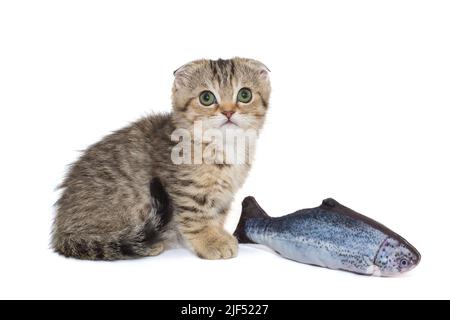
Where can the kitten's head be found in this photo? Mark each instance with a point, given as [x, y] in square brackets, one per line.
[223, 94]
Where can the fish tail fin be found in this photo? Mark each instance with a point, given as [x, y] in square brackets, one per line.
[250, 209]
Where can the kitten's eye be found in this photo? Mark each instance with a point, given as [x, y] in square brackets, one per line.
[244, 95]
[207, 98]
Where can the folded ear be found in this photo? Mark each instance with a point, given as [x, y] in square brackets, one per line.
[179, 69]
[180, 76]
[182, 73]
[261, 67]
[264, 72]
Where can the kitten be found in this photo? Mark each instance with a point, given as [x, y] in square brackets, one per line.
[114, 203]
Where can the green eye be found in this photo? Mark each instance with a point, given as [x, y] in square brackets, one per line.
[207, 98]
[244, 95]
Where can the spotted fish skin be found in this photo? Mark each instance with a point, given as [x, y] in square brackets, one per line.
[330, 236]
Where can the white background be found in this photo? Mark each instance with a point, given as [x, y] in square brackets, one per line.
[359, 112]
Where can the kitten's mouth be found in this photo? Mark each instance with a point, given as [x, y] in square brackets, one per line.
[229, 123]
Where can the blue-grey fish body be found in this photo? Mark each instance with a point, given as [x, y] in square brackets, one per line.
[331, 236]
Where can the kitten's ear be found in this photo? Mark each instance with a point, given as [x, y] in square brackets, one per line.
[264, 72]
[177, 70]
[182, 74]
[261, 67]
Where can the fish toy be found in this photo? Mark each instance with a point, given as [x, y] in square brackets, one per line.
[331, 236]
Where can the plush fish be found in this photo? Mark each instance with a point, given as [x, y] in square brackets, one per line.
[330, 236]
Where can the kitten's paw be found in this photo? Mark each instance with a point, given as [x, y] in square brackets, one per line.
[155, 250]
[216, 245]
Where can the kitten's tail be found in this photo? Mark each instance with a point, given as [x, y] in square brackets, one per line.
[132, 242]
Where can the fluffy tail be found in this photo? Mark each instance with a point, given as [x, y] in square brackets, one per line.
[250, 209]
[132, 242]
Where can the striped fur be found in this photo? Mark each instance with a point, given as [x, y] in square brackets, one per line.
[140, 240]
[107, 210]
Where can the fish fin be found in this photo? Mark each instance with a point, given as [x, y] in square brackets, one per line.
[250, 209]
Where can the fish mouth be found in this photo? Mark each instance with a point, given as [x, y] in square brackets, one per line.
[416, 253]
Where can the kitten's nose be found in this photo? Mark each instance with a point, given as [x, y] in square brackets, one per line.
[228, 114]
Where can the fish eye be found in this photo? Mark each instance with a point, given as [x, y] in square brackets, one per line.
[244, 95]
[404, 263]
[207, 98]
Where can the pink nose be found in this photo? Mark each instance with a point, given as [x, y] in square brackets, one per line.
[228, 114]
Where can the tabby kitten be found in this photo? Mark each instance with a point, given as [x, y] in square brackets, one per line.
[115, 202]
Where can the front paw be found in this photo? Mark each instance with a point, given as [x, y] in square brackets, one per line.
[216, 245]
